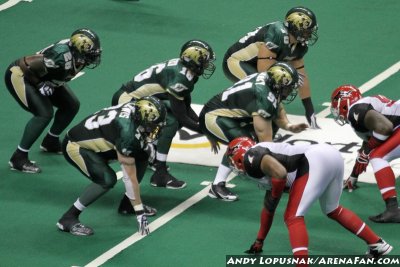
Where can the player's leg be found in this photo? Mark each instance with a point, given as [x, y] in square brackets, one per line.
[29, 98]
[67, 107]
[161, 176]
[125, 206]
[225, 130]
[103, 179]
[385, 178]
[333, 172]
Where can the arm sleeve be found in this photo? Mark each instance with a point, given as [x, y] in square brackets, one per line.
[191, 113]
[178, 108]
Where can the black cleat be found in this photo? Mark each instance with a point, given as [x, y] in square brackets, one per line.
[51, 144]
[125, 208]
[388, 216]
[378, 249]
[74, 227]
[23, 164]
[221, 192]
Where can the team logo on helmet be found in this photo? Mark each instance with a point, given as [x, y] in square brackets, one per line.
[148, 111]
[300, 20]
[198, 54]
[280, 76]
[82, 43]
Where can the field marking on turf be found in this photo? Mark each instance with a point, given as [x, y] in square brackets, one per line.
[368, 85]
[11, 3]
[153, 226]
[203, 193]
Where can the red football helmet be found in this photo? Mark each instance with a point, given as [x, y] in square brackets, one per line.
[236, 150]
[341, 99]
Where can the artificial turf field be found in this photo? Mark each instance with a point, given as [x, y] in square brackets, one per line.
[358, 40]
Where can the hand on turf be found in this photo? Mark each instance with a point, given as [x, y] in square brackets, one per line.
[214, 144]
[297, 128]
[143, 224]
[255, 248]
[350, 184]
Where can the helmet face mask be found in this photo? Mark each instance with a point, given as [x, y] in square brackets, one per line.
[86, 47]
[150, 114]
[341, 100]
[237, 148]
[198, 56]
[302, 24]
[283, 80]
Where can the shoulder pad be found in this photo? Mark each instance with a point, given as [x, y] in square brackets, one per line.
[252, 161]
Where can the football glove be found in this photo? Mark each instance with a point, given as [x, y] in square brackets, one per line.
[150, 149]
[350, 184]
[143, 224]
[46, 89]
[361, 163]
[312, 121]
[256, 247]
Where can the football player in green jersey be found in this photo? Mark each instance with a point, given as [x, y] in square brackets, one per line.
[277, 41]
[172, 81]
[124, 132]
[39, 83]
[249, 108]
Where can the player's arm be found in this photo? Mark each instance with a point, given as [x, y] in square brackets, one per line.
[270, 167]
[265, 58]
[380, 126]
[33, 67]
[191, 113]
[128, 163]
[129, 168]
[178, 108]
[304, 89]
[283, 122]
[262, 128]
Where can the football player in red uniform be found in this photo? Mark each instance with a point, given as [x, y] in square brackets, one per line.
[312, 172]
[375, 119]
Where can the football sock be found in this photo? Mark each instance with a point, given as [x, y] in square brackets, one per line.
[298, 235]
[354, 224]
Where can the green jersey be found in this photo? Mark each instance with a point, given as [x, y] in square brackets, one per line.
[59, 63]
[275, 36]
[245, 99]
[108, 130]
[169, 77]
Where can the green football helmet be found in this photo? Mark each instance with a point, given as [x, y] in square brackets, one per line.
[198, 56]
[283, 80]
[150, 114]
[302, 24]
[86, 48]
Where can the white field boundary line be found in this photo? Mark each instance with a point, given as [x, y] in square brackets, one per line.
[153, 226]
[368, 85]
[11, 3]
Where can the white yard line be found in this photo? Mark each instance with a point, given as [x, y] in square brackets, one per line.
[153, 226]
[11, 3]
[369, 85]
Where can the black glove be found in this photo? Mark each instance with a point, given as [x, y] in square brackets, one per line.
[256, 247]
